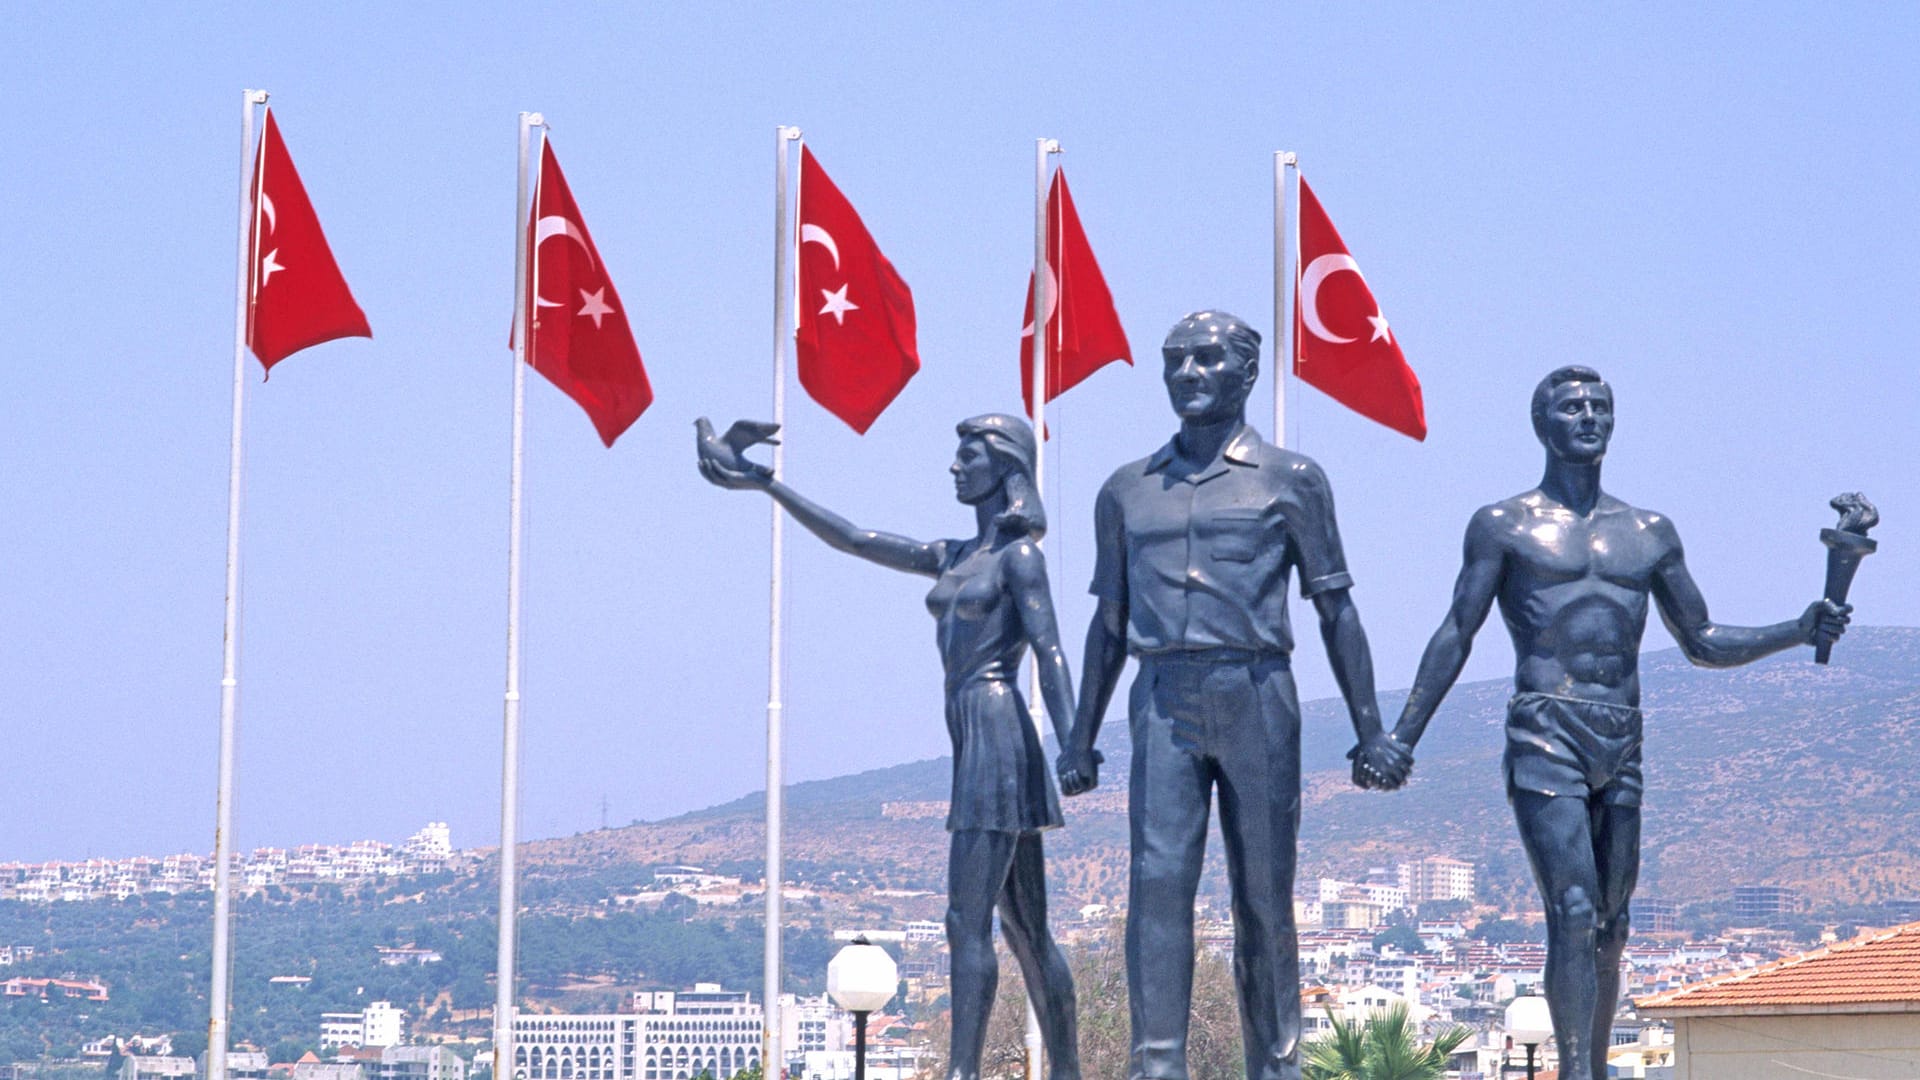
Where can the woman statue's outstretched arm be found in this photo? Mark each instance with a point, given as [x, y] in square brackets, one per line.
[730, 470]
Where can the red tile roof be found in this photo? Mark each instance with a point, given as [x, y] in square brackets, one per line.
[1877, 972]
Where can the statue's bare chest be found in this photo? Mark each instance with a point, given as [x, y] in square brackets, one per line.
[1552, 546]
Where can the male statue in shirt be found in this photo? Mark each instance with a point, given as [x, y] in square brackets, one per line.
[1195, 543]
[1572, 569]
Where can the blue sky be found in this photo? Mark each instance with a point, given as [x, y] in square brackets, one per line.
[1715, 210]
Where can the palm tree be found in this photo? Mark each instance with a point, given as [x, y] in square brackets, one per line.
[1385, 1047]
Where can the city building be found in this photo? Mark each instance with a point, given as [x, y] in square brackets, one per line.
[1763, 905]
[379, 1024]
[676, 1035]
[140, 1067]
[241, 1065]
[1436, 877]
[402, 955]
[1652, 915]
[664, 1035]
[429, 849]
[54, 989]
[1640, 1051]
[811, 1025]
[1851, 1009]
[1354, 912]
[420, 1063]
[306, 1069]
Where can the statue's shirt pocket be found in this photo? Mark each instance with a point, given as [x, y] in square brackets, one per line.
[1237, 534]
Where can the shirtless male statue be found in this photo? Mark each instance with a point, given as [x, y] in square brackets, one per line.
[1572, 567]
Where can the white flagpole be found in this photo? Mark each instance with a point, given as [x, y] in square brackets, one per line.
[772, 1061]
[1043, 151]
[219, 999]
[503, 1006]
[1284, 245]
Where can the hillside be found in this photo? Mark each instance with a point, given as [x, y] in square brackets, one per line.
[1782, 772]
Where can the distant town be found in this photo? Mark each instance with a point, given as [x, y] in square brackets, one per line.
[1414, 937]
[425, 852]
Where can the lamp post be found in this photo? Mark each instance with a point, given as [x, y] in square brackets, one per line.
[1530, 1024]
[860, 979]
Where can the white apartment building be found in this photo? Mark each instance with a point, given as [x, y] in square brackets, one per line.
[1355, 912]
[379, 1024]
[429, 849]
[668, 1035]
[671, 1035]
[339, 1029]
[584, 1046]
[1381, 895]
[1388, 897]
[1437, 877]
[814, 1025]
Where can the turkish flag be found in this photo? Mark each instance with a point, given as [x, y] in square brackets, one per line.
[1082, 325]
[1343, 344]
[580, 339]
[298, 296]
[855, 337]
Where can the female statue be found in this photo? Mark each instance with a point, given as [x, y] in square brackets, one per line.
[989, 602]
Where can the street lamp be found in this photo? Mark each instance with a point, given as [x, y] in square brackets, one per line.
[860, 979]
[1530, 1024]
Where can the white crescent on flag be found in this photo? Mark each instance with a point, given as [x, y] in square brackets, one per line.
[1053, 301]
[549, 227]
[1318, 271]
[814, 234]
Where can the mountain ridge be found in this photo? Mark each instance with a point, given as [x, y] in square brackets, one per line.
[1780, 772]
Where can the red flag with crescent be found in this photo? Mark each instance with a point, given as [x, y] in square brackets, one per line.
[1342, 343]
[299, 297]
[580, 338]
[855, 338]
[1081, 319]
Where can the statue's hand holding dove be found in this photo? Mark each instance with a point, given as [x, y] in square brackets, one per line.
[722, 457]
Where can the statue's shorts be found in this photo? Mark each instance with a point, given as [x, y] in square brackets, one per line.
[1568, 746]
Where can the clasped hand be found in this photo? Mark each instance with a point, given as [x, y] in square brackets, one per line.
[1381, 762]
[1078, 769]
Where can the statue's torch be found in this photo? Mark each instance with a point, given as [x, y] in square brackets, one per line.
[1846, 544]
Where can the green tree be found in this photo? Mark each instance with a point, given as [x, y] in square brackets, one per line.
[1444, 910]
[190, 1043]
[1403, 938]
[1384, 1047]
[1504, 931]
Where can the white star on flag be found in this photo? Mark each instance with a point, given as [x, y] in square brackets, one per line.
[838, 305]
[595, 304]
[268, 266]
[1380, 328]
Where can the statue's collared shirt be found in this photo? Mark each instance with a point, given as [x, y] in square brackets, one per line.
[1200, 561]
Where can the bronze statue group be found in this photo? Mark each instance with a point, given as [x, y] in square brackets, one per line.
[1196, 543]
